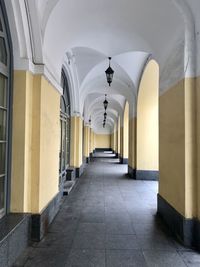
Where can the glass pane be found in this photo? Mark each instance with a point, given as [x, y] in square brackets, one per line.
[62, 105]
[3, 96]
[3, 52]
[1, 28]
[2, 158]
[3, 114]
[2, 193]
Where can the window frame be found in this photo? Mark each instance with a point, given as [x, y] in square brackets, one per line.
[6, 70]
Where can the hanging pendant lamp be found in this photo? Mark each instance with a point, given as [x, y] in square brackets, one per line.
[109, 73]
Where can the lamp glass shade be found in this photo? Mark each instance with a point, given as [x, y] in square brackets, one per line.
[105, 103]
[109, 75]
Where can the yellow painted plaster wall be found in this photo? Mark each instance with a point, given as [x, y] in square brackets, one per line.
[132, 143]
[21, 142]
[112, 141]
[121, 141]
[118, 136]
[76, 147]
[103, 141]
[126, 131]
[147, 119]
[198, 145]
[35, 144]
[49, 142]
[86, 141]
[178, 147]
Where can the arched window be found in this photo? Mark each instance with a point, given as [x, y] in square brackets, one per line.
[65, 128]
[5, 83]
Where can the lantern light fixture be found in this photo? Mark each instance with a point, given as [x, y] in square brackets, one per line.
[109, 73]
[105, 103]
[90, 120]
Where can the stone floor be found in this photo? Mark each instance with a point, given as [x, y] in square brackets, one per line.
[108, 220]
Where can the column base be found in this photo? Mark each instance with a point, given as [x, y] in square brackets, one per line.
[40, 222]
[70, 176]
[131, 172]
[123, 160]
[87, 160]
[147, 175]
[187, 231]
[79, 171]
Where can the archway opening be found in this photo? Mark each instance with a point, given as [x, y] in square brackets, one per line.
[147, 124]
[64, 130]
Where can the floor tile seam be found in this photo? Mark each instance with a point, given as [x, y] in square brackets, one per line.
[167, 251]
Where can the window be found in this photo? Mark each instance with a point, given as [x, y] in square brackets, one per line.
[4, 113]
[64, 129]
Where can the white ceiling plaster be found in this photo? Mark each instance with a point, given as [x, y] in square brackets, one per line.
[91, 30]
[94, 30]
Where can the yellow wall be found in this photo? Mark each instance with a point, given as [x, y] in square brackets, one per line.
[132, 143]
[147, 119]
[76, 147]
[198, 144]
[118, 136]
[86, 141]
[178, 147]
[49, 142]
[126, 131]
[35, 146]
[103, 141]
[21, 142]
[121, 141]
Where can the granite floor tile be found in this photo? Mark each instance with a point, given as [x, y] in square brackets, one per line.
[191, 258]
[122, 242]
[86, 258]
[47, 257]
[108, 220]
[125, 258]
[89, 241]
[91, 228]
[163, 259]
[156, 242]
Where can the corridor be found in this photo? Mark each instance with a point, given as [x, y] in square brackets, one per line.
[108, 220]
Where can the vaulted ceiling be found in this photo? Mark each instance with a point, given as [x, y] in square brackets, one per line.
[81, 34]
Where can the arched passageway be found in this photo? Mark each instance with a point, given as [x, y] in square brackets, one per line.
[61, 50]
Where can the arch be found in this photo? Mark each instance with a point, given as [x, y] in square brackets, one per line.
[65, 128]
[147, 123]
[6, 66]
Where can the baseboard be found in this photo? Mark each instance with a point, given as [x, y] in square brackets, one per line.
[131, 172]
[87, 160]
[71, 175]
[123, 160]
[40, 222]
[79, 171]
[147, 175]
[14, 237]
[187, 231]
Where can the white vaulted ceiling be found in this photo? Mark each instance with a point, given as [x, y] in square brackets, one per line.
[81, 34]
